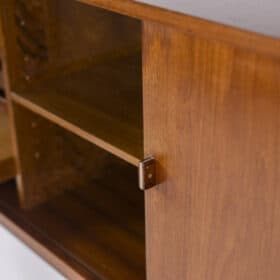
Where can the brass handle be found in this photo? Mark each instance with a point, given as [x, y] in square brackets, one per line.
[147, 173]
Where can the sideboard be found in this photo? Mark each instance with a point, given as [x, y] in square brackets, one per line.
[146, 141]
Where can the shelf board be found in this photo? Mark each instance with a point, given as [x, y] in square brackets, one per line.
[80, 233]
[7, 165]
[101, 103]
[74, 129]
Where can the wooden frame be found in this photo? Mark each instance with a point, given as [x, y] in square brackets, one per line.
[7, 164]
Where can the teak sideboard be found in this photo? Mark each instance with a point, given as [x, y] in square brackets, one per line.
[147, 142]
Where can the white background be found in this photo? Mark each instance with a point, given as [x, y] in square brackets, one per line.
[18, 262]
[261, 16]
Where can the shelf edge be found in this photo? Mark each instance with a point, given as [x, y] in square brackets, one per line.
[74, 129]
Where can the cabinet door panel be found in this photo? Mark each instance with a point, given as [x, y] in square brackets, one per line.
[212, 120]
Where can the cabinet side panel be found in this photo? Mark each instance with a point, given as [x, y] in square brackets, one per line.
[212, 119]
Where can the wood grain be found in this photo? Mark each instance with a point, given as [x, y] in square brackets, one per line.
[212, 120]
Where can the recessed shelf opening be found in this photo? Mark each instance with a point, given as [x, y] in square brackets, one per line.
[82, 65]
[83, 202]
[75, 73]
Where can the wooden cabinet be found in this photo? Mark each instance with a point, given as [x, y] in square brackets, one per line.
[96, 87]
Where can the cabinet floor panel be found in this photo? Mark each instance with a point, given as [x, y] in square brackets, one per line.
[97, 238]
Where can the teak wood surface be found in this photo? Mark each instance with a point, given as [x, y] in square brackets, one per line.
[211, 118]
[7, 164]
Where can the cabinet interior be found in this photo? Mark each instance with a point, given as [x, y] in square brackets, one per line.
[81, 64]
[80, 198]
[75, 74]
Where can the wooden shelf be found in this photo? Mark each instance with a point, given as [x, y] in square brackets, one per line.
[101, 103]
[7, 165]
[92, 231]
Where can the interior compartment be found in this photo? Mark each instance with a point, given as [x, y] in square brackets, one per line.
[81, 63]
[80, 201]
[75, 74]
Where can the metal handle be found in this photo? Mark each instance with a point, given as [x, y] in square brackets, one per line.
[147, 173]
